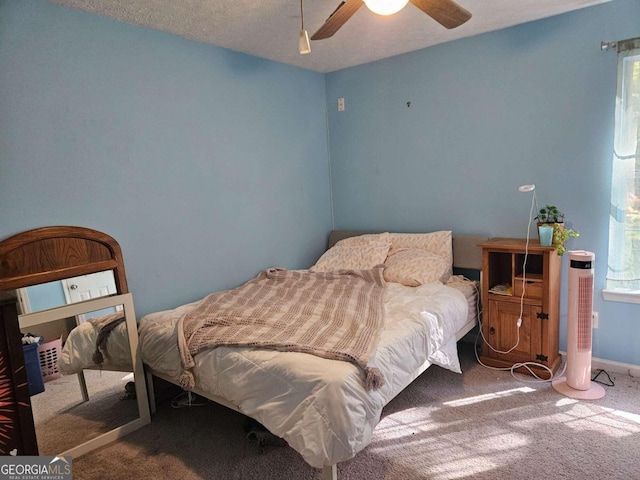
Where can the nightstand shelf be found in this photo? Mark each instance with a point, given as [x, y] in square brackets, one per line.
[513, 290]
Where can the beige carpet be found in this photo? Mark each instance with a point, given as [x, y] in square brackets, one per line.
[481, 425]
[63, 420]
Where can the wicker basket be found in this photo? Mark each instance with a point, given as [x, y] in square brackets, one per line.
[48, 354]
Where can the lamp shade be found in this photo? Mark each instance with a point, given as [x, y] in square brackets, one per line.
[385, 7]
[304, 46]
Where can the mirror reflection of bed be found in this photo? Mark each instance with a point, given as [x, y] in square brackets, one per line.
[91, 388]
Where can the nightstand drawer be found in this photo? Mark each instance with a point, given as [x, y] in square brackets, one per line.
[532, 289]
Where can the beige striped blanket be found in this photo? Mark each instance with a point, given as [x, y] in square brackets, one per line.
[335, 315]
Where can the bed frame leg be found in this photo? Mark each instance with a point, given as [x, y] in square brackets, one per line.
[151, 392]
[330, 472]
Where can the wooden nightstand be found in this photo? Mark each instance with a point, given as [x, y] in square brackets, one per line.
[513, 290]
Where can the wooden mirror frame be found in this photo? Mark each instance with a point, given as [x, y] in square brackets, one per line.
[55, 253]
[48, 254]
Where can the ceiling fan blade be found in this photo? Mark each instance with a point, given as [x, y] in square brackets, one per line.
[445, 12]
[338, 18]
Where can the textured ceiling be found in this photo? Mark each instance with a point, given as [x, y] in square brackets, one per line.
[270, 28]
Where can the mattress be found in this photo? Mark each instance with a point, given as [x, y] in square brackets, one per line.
[320, 406]
[471, 291]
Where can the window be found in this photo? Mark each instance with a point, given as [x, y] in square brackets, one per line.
[623, 273]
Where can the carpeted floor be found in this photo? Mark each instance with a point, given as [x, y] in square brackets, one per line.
[63, 420]
[482, 424]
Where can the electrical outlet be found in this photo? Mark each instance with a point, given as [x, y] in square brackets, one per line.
[594, 320]
[341, 104]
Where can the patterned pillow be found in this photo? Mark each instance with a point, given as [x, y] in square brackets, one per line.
[413, 267]
[436, 242]
[366, 239]
[355, 253]
[439, 243]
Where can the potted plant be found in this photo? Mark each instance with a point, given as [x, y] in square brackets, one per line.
[550, 217]
[550, 214]
[560, 237]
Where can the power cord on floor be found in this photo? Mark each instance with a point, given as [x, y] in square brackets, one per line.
[606, 384]
[188, 399]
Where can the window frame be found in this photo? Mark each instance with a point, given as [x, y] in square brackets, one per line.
[624, 133]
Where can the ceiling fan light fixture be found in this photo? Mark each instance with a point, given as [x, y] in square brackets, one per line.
[304, 46]
[385, 7]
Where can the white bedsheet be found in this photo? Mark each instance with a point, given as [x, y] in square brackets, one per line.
[320, 406]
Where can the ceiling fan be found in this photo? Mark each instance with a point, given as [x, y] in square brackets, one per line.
[446, 12]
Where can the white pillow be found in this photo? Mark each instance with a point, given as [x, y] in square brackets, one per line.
[355, 253]
[413, 267]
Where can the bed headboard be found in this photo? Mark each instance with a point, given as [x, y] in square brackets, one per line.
[466, 253]
[54, 253]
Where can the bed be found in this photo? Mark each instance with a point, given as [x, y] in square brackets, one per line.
[323, 407]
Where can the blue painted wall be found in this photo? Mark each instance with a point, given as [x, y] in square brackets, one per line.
[529, 104]
[206, 165]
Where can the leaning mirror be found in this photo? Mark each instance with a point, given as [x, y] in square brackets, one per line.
[92, 397]
[67, 290]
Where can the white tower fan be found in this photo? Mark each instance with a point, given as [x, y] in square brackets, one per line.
[577, 382]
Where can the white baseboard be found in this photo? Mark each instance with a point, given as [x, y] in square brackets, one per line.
[612, 366]
[618, 367]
